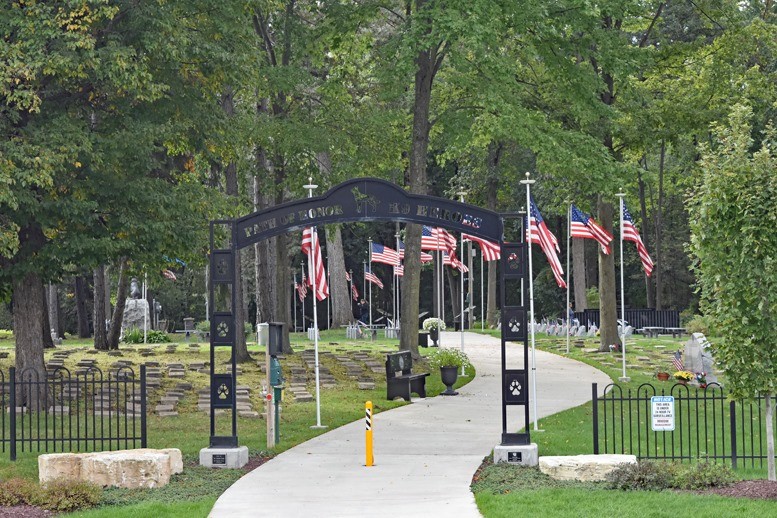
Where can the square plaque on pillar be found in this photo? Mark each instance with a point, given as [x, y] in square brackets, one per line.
[515, 387]
[221, 395]
[514, 324]
[222, 267]
[222, 330]
[514, 260]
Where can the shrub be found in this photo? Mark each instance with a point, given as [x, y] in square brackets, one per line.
[16, 491]
[642, 475]
[702, 475]
[135, 336]
[701, 324]
[203, 327]
[67, 495]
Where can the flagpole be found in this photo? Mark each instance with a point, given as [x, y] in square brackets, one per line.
[350, 290]
[569, 245]
[528, 182]
[312, 260]
[329, 283]
[369, 285]
[294, 296]
[399, 301]
[623, 378]
[482, 320]
[461, 286]
[302, 269]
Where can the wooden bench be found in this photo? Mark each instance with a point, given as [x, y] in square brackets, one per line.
[399, 380]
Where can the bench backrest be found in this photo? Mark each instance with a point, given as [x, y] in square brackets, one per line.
[401, 362]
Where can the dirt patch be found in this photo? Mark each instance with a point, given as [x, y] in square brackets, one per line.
[254, 462]
[761, 489]
[23, 511]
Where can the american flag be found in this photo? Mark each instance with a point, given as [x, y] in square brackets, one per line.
[453, 261]
[425, 258]
[431, 239]
[302, 289]
[399, 271]
[450, 241]
[539, 233]
[312, 248]
[677, 361]
[490, 250]
[630, 233]
[583, 225]
[348, 276]
[371, 277]
[354, 292]
[169, 274]
[384, 254]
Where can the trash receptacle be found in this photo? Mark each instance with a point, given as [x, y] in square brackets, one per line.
[264, 333]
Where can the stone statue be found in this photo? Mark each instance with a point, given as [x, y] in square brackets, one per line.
[134, 291]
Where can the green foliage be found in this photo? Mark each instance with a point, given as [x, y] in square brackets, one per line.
[16, 491]
[203, 326]
[701, 324]
[702, 475]
[506, 478]
[446, 357]
[644, 475]
[592, 297]
[135, 336]
[64, 496]
[655, 476]
[733, 213]
[433, 323]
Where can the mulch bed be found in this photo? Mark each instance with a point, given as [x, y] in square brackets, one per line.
[23, 511]
[761, 489]
[254, 462]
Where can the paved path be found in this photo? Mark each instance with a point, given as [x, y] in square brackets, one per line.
[425, 453]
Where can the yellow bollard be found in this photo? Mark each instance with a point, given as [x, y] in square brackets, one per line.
[368, 433]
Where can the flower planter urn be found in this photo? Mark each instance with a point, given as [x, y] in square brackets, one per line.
[449, 376]
[662, 376]
[434, 334]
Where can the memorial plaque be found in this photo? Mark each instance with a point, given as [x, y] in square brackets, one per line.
[514, 456]
[220, 458]
[514, 260]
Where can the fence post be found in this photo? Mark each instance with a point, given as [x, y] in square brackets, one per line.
[12, 388]
[143, 436]
[733, 424]
[595, 417]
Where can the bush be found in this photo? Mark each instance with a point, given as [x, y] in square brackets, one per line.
[642, 475]
[203, 327]
[701, 324]
[67, 495]
[16, 491]
[702, 475]
[135, 336]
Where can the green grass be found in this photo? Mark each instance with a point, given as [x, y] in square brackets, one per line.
[193, 492]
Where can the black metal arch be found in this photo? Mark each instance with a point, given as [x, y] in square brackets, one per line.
[359, 199]
[368, 199]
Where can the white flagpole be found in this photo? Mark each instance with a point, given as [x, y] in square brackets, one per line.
[482, 320]
[312, 271]
[294, 295]
[145, 313]
[399, 301]
[302, 267]
[569, 245]
[528, 182]
[369, 285]
[329, 282]
[623, 378]
[461, 286]
[350, 291]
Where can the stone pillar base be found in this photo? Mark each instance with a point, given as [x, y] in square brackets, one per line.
[522, 454]
[232, 458]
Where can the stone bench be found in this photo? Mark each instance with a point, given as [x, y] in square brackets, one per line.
[140, 468]
[583, 467]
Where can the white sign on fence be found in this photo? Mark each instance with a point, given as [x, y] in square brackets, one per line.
[662, 413]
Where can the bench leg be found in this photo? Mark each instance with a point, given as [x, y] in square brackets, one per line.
[419, 387]
[398, 389]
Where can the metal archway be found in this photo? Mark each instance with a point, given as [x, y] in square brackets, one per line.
[360, 199]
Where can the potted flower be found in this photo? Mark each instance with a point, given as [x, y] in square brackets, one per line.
[662, 375]
[434, 326]
[683, 377]
[701, 378]
[449, 361]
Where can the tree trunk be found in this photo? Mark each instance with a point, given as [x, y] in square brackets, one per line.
[27, 318]
[282, 300]
[114, 331]
[607, 300]
[81, 295]
[53, 299]
[427, 61]
[48, 342]
[342, 311]
[100, 337]
[265, 262]
[579, 281]
[471, 287]
[772, 474]
[659, 226]
[492, 184]
[454, 284]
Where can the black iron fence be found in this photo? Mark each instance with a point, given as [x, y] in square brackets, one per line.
[637, 318]
[706, 425]
[84, 411]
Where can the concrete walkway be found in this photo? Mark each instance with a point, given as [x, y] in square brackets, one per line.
[425, 452]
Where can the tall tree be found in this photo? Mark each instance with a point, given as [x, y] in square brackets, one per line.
[733, 215]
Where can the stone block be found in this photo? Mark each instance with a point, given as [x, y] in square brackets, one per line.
[141, 468]
[224, 457]
[583, 467]
[522, 454]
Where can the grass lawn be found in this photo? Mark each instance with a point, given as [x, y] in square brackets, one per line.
[510, 490]
[193, 492]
